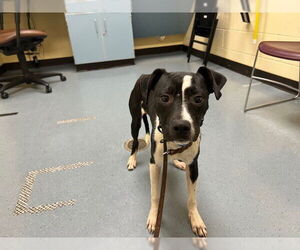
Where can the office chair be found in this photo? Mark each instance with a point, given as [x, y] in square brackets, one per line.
[16, 42]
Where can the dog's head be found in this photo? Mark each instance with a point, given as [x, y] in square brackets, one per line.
[180, 100]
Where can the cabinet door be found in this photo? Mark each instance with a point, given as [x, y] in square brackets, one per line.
[117, 36]
[86, 37]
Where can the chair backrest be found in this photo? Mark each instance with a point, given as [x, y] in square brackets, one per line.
[206, 14]
[204, 23]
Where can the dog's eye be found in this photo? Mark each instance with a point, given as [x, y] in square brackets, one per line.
[197, 99]
[165, 98]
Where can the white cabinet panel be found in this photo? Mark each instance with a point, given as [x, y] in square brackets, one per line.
[85, 34]
[100, 37]
[117, 36]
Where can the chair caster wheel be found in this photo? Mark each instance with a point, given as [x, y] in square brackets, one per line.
[63, 78]
[4, 95]
[48, 89]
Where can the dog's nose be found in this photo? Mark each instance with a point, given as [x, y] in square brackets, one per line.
[182, 126]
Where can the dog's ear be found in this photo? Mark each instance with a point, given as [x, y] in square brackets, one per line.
[214, 80]
[153, 79]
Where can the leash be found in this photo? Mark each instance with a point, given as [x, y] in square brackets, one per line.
[162, 192]
[164, 179]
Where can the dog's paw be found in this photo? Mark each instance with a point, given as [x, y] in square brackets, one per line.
[179, 164]
[131, 164]
[197, 224]
[151, 221]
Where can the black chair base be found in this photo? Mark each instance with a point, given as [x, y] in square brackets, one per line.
[26, 77]
[36, 78]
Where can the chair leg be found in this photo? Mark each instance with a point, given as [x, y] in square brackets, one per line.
[298, 95]
[251, 80]
[10, 78]
[190, 48]
[45, 75]
[12, 84]
[271, 103]
[210, 41]
[43, 83]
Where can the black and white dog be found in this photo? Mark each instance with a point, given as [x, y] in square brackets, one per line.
[177, 103]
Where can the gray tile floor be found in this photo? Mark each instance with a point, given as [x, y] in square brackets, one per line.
[249, 164]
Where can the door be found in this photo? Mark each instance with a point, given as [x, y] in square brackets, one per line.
[117, 36]
[86, 37]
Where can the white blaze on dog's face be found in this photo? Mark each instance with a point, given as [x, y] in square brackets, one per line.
[181, 101]
[185, 115]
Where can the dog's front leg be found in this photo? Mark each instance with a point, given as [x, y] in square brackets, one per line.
[197, 223]
[154, 181]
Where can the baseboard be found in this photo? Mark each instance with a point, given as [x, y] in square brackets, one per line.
[66, 60]
[104, 65]
[158, 50]
[42, 63]
[246, 70]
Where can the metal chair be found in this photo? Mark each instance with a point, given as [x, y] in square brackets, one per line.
[284, 50]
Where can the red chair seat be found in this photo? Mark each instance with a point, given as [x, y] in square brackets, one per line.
[7, 36]
[284, 50]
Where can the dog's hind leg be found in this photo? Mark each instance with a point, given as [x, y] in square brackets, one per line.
[147, 129]
[135, 107]
[135, 127]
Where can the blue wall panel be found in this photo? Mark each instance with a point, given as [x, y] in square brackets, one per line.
[160, 24]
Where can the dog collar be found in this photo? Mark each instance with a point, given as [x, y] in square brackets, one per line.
[179, 150]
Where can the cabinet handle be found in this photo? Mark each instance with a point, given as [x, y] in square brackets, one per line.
[105, 27]
[96, 26]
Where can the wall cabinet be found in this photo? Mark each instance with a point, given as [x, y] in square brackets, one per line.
[100, 37]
